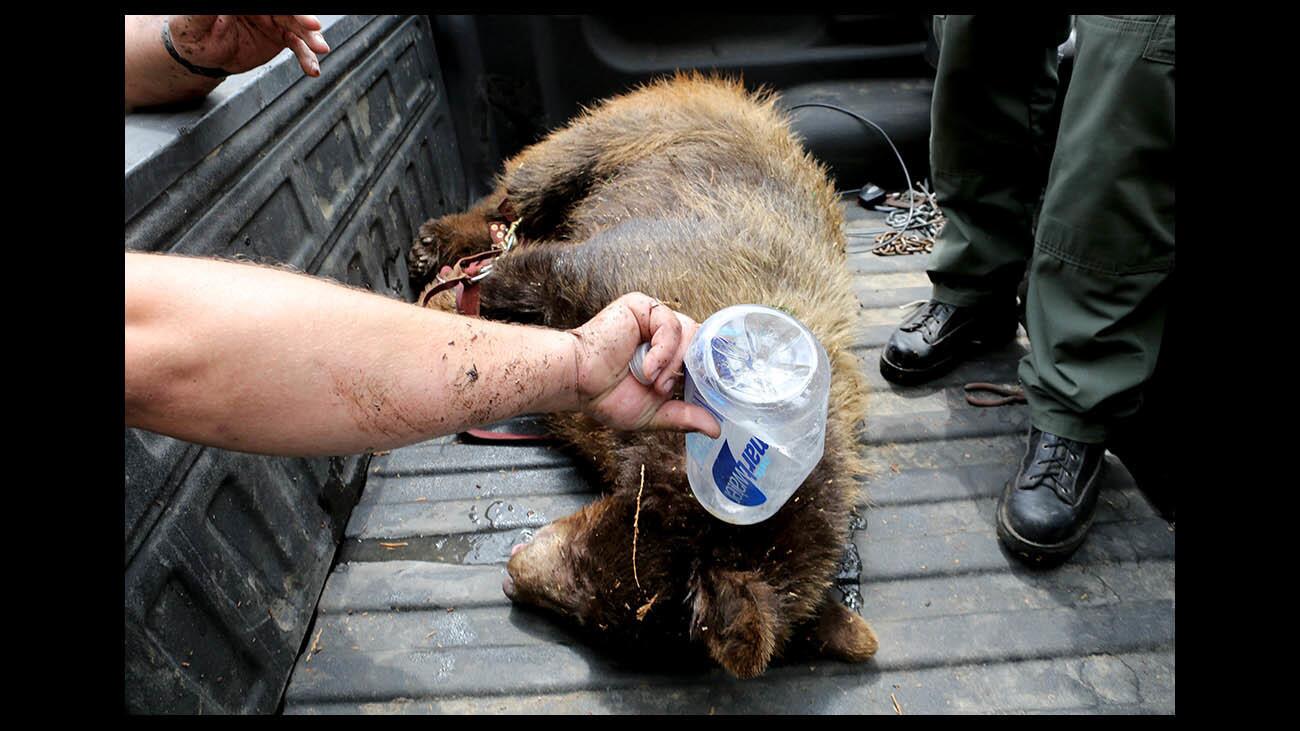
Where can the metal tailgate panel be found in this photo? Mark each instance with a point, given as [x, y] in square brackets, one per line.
[226, 553]
[421, 625]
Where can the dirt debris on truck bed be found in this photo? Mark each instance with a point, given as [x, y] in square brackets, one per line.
[413, 618]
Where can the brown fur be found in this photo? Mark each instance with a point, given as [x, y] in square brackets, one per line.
[694, 191]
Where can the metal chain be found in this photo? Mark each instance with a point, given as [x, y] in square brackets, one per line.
[511, 238]
[915, 235]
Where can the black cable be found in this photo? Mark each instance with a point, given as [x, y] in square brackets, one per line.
[911, 197]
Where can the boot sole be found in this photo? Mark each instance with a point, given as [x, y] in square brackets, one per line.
[1039, 554]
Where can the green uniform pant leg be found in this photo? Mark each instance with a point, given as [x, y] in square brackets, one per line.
[1098, 294]
[990, 145]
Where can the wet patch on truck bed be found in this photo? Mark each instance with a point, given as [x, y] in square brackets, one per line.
[413, 619]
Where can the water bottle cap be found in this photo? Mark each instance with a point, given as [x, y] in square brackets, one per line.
[636, 365]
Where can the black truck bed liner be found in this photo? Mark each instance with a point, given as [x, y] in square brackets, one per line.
[422, 626]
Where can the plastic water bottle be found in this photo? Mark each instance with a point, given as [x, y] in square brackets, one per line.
[766, 379]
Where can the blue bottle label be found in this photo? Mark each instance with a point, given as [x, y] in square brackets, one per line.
[736, 478]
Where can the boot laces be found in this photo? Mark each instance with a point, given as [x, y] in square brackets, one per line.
[1056, 472]
[930, 317]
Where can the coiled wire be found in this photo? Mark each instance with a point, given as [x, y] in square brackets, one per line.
[912, 231]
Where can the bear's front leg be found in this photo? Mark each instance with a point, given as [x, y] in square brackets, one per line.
[443, 241]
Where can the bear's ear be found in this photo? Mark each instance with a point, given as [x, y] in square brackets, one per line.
[736, 615]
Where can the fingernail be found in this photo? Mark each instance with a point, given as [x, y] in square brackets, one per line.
[668, 385]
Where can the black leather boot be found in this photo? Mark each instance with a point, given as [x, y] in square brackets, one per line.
[1045, 512]
[938, 336]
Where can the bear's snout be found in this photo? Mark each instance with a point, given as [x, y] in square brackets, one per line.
[538, 571]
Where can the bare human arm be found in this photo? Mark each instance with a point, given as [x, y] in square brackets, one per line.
[264, 360]
[231, 43]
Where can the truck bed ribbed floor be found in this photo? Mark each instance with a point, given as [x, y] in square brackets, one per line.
[424, 627]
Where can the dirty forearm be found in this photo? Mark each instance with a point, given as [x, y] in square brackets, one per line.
[269, 361]
[152, 75]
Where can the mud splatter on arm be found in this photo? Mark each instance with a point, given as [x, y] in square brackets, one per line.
[270, 361]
